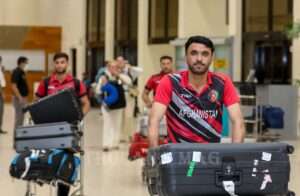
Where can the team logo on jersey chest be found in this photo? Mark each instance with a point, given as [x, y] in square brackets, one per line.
[213, 96]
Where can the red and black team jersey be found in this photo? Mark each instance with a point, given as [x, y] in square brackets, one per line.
[154, 81]
[191, 116]
[55, 85]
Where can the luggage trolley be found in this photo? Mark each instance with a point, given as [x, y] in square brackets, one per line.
[60, 107]
[80, 190]
[31, 187]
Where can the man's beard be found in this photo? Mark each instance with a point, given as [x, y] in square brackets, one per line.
[61, 71]
[166, 70]
[198, 71]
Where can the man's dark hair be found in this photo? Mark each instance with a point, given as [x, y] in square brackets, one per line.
[60, 55]
[22, 59]
[165, 57]
[0, 58]
[200, 40]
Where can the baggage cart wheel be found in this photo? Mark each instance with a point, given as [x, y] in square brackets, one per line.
[144, 175]
[291, 193]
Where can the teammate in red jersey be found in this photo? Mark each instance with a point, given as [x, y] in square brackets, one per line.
[152, 83]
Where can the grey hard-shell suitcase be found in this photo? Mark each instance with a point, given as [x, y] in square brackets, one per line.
[219, 169]
[60, 135]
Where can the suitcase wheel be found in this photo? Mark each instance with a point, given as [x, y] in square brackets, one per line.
[290, 149]
[151, 187]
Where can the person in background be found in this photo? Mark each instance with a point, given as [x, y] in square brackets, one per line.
[2, 86]
[101, 71]
[20, 90]
[193, 99]
[58, 81]
[166, 67]
[112, 118]
[131, 93]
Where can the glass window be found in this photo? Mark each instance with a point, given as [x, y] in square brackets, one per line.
[163, 20]
[92, 20]
[95, 21]
[133, 23]
[256, 17]
[172, 19]
[126, 20]
[267, 15]
[122, 13]
[102, 20]
[282, 14]
[158, 22]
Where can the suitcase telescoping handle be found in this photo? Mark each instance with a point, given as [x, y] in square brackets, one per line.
[228, 172]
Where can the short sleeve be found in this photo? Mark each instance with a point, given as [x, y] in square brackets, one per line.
[164, 91]
[41, 90]
[149, 85]
[82, 89]
[15, 77]
[230, 93]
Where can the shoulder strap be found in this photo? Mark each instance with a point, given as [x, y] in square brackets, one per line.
[46, 84]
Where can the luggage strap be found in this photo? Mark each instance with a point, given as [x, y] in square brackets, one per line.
[76, 85]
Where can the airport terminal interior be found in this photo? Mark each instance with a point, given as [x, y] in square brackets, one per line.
[136, 42]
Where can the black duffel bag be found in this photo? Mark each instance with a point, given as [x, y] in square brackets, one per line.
[45, 166]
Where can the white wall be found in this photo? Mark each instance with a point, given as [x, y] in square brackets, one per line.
[69, 14]
[235, 30]
[109, 29]
[204, 17]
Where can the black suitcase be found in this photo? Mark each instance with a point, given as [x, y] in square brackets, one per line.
[61, 135]
[206, 169]
[59, 107]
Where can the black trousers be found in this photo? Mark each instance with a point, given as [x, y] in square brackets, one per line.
[63, 190]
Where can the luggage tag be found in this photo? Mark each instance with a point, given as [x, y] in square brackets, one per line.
[192, 165]
[191, 169]
[266, 156]
[166, 158]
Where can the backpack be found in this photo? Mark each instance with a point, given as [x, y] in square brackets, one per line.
[108, 95]
[121, 102]
[76, 85]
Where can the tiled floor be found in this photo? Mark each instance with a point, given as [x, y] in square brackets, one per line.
[105, 173]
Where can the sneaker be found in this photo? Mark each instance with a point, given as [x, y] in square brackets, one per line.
[2, 132]
[106, 149]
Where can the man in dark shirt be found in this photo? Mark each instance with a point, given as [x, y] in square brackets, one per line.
[20, 90]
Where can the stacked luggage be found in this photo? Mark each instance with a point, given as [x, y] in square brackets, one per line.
[45, 166]
[46, 148]
[219, 169]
